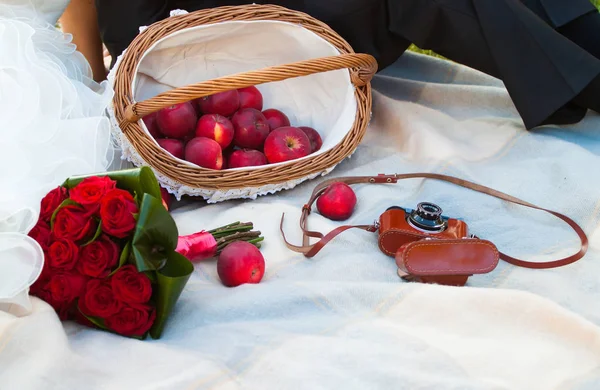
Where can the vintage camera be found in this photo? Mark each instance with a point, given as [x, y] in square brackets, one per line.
[399, 226]
[431, 248]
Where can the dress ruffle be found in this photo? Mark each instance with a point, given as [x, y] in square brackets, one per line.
[52, 125]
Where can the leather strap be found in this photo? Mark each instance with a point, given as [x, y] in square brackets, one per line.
[311, 250]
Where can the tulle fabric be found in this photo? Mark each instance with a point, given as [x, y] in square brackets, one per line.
[52, 126]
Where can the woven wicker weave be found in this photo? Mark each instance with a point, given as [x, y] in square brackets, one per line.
[362, 67]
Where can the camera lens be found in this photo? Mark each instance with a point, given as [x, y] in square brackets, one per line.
[427, 216]
[429, 211]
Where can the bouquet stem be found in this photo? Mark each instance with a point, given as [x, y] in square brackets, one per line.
[206, 244]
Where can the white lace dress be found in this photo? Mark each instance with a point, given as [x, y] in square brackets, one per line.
[52, 126]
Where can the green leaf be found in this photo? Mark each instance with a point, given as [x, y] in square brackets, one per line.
[96, 235]
[138, 181]
[152, 276]
[99, 322]
[171, 280]
[64, 203]
[123, 258]
[155, 235]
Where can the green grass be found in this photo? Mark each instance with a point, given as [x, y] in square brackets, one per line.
[416, 49]
[433, 54]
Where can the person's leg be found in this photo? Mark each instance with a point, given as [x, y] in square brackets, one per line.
[119, 21]
[557, 13]
[581, 25]
[584, 31]
[590, 96]
[449, 28]
[542, 70]
[578, 21]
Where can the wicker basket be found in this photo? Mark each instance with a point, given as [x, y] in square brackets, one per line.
[186, 179]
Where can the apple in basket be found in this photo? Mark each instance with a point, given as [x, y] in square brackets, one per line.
[150, 122]
[246, 158]
[251, 128]
[217, 127]
[286, 143]
[315, 138]
[222, 103]
[228, 130]
[177, 121]
[251, 97]
[276, 118]
[204, 152]
[173, 146]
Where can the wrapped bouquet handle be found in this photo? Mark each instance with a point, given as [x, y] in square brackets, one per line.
[362, 69]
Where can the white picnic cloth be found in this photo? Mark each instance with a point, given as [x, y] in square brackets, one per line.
[344, 319]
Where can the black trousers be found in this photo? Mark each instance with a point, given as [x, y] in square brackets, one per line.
[513, 40]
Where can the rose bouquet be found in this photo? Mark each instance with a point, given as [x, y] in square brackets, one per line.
[113, 256]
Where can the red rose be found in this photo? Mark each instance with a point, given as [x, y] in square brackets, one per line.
[42, 234]
[132, 320]
[131, 286]
[51, 201]
[117, 213]
[73, 222]
[98, 258]
[91, 190]
[61, 290]
[63, 254]
[99, 299]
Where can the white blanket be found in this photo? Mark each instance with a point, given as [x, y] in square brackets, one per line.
[344, 320]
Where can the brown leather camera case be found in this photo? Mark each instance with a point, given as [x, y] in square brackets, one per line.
[395, 232]
[449, 262]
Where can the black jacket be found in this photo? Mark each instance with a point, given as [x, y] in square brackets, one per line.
[513, 40]
[363, 23]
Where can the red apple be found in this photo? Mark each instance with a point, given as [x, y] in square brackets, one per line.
[173, 146]
[178, 121]
[167, 199]
[227, 155]
[217, 127]
[315, 138]
[204, 152]
[240, 262]
[276, 118]
[151, 125]
[286, 143]
[251, 128]
[196, 105]
[222, 103]
[337, 202]
[251, 97]
[246, 158]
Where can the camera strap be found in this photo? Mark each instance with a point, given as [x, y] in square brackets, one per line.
[310, 250]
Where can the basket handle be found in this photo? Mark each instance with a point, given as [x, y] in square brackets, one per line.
[362, 69]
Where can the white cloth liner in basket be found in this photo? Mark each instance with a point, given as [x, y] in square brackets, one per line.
[324, 101]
